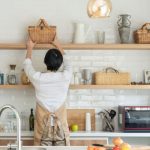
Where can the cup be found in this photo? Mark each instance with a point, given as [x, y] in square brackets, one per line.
[101, 37]
[87, 76]
[77, 78]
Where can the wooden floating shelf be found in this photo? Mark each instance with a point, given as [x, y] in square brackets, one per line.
[110, 87]
[19, 86]
[76, 87]
[69, 46]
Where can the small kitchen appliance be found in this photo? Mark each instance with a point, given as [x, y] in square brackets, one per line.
[134, 118]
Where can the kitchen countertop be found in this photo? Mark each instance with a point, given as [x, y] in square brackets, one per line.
[68, 148]
[28, 134]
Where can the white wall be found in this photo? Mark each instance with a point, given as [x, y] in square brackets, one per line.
[15, 17]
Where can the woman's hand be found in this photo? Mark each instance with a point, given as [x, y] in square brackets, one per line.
[30, 44]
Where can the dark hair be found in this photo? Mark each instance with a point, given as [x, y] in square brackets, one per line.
[53, 59]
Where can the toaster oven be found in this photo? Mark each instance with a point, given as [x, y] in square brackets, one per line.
[134, 118]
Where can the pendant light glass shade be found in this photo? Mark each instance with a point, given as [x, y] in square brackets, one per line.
[99, 8]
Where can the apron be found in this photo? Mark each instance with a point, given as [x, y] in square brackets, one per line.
[51, 129]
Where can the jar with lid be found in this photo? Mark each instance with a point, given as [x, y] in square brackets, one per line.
[77, 78]
[12, 78]
[1, 78]
[24, 78]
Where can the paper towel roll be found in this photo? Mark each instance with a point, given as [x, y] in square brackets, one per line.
[88, 122]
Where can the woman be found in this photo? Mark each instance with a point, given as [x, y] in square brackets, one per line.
[51, 88]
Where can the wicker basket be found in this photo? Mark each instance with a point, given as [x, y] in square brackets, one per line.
[42, 33]
[142, 36]
[112, 78]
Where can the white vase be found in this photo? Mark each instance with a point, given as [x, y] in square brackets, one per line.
[80, 33]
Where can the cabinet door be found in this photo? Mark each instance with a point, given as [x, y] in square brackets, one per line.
[25, 142]
[88, 142]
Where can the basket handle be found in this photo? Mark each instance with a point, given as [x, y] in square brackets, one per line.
[112, 69]
[146, 26]
[42, 23]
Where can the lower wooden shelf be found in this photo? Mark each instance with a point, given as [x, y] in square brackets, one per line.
[18, 86]
[76, 87]
[109, 86]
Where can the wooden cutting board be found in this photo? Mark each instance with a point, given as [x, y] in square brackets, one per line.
[77, 116]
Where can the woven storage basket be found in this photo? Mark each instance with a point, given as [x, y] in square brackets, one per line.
[142, 36]
[42, 33]
[112, 78]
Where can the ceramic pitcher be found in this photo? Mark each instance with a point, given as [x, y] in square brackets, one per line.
[80, 33]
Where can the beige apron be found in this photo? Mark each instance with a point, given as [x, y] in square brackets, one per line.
[51, 129]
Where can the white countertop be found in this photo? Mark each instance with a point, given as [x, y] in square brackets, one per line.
[81, 134]
[49, 148]
[108, 134]
[68, 148]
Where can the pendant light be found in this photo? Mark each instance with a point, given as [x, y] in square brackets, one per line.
[99, 8]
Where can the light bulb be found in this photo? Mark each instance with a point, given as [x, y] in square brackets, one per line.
[99, 8]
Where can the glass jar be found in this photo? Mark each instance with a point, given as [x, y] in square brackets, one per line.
[77, 78]
[1, 78]
[11, 78]
[24, 78]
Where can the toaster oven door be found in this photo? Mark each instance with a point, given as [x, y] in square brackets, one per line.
[137, 119]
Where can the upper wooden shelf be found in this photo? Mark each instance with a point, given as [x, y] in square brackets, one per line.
[86, 46]
[76, 87]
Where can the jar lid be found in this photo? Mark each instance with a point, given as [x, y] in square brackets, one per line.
[12, 67]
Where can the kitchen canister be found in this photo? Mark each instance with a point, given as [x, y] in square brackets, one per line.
[88, 122]
[1, 78]
[77, 78]
[87, 76]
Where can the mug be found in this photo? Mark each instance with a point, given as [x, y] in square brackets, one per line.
[87, 76]
[100, 37]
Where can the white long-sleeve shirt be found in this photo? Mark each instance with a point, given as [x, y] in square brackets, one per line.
[51, 87]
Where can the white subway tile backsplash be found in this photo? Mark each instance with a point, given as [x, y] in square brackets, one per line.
[134, 62]
[126, 92]
[97, 103]
[92, 58]
[73, 104]
[97, 97]
[79, 52]
[110, 98]
[84, 103]
[86, 98]
[81, 63]
[80, 92]
[103, 92]
[109, 58]
[103, 64]
[72, 58]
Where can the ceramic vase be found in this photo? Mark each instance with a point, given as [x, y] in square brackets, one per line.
[124, 25]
